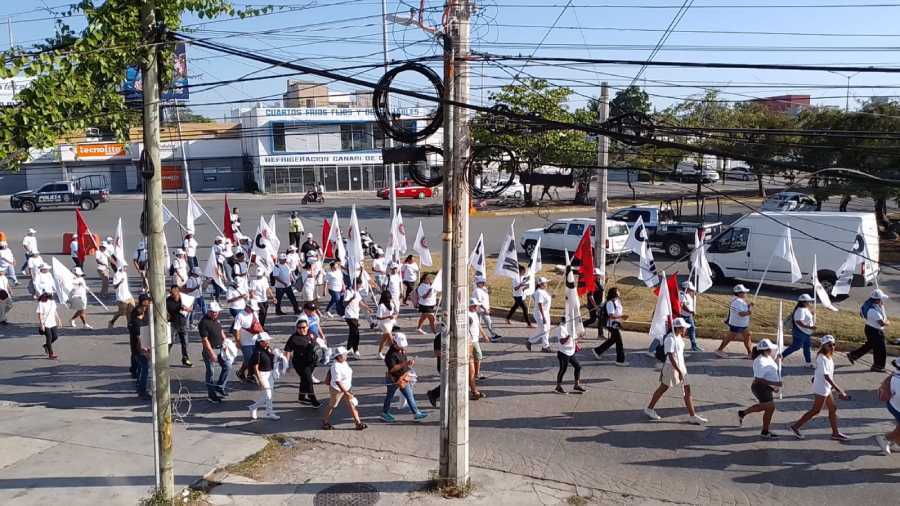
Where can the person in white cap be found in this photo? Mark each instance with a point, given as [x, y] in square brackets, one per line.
[262, 362]
[29, 244]
[674, 372]
[239, 268]
[33, 269]
[615, 315]
[352, 300]
[519, 286]
[399, 376]
[427, 298]
[8, 262]
[235, 222]
[309, 250]
[5, 297]
[246, 328]
[475, 333]
[194, 288]
[189, 245]
[123, 295]
[101, 257]
[284, 285]
[822, 386]
[212, 339]
[236, 297]
[379, 270]
[688, 298]
[766, 381]
[890, 392]
[43, 280]
[409, 272]
[340, 384]
[804, 324]
[73, 250]
[481, 294]
[565, 354]
[261, 293]
[179, 268]
[178, 314]
[334, 283]
[542, 301]
[386, 316]
[48, 322]
[141, 260]
[395, 283]
[875, 316]
[78, 298]
[293, 259]
[738, 321]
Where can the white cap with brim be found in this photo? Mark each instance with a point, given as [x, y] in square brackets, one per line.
[400, 340]
[765, 344]
[805, 297]
[597, 272]
[32, 231]
[214, 307]
[474, 302]
[341, 350]
[479, 280]
[541, 281]
[78, 271]
[879, 294]
[680, 323]
[896, 363]
[741, 289]
[826, 339]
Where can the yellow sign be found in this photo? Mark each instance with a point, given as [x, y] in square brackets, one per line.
[100, 150]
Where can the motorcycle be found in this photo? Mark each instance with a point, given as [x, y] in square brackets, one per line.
[368, 244]
[313, 197]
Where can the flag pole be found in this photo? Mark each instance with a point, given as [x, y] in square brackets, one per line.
[96, 298]
[219, 230]
[766, 271]
[780, 346]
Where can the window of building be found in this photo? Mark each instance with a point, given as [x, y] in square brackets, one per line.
[278, 137]
[310, 102]
[356, 137]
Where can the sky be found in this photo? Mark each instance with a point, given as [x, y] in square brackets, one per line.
[332, 34]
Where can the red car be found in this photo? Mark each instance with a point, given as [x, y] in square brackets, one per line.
[407, 188]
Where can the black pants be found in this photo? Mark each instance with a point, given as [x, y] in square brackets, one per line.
[518, 302]
[50, 337]
[193, 262]
[280, 293]
[875, 344]
[178, 327]
[615, 338]
[564, 361]
[306, 382]
[410, 288]
[76, 262]
[263, 312]
[294, 238]
[352, 334]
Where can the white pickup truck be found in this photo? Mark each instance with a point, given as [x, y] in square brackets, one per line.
[565, 234]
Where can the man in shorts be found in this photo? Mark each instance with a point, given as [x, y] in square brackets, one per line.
[674, 373]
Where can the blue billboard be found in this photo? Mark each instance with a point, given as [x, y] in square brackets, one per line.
[133, 87]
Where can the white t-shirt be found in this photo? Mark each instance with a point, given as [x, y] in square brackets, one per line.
[614, 310]
[675, 345]
[73, 245]
[378, 265]
[383, 312]
[474, 327]
[738, 305]
[427, 296]
[292, 260]
[394, 284]
[102, 260]
[193, 286]
[567, 348]
[341, 372]
[875, 314]
[4, 283]
[29, 243]
[259, 289]
[179, 265]
[895, 391]
[79, 289]
[34, 265]
[409, 272]
[351, 304]
[766, 368]
[483, 298]
[242, 323]
[43, 283]
[240, 303]
[190, 247]
[519, 286]
[308, 279]
[47, 310]
[824, 366]
[123, 294]
[541, 298]
[804, 316]
[687, 302]
[282, 275]
[334, 280]
[6, 258]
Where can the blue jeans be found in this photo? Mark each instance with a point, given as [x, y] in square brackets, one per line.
[335, 301]
[800, 339]
[142, 368]
[216, 389]
[691, 331]
[407, 392]
[199, 305]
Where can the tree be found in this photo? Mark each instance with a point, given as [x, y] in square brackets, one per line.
[630, 100]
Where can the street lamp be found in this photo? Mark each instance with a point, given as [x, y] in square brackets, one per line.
[848, 77]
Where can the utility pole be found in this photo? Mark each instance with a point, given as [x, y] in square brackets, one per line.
[454, 451]
[601, 203]
[387, 104]
[156, 275]
[184, 154]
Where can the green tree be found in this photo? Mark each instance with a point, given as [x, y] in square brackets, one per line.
[630, 100]
[756, 142]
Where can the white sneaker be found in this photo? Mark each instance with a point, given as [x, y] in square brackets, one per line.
[329, 314]
[253, 413]
[622, 364]
[316, 380]
[883, 444]
[72, 323]
[697, 420]
[381, 355]
[356, 355]
[88, 326]
[652, 414]
[272, 416]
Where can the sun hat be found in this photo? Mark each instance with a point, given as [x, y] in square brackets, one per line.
[479, 280]
[681, 323]
[400, 340]
[541, 280]
[341, 350]
[214, 307]
[804, 298]
[879, 294]
[741, 289]
[826, 339]
[765, 344]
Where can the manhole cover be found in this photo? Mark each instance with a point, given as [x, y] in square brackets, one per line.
[347, 494]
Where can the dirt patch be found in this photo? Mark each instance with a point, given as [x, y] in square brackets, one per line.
[278, 451]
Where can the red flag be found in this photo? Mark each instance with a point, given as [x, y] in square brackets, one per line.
[326, 232]
[84, 237]
[584, 255]
[675, 300]
[229, 233]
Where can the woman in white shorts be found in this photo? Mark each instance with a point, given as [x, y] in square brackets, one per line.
[386, 315]
[674, 373]
[823, 385]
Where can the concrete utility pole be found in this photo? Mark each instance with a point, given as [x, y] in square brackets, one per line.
[387, 140]
[601, 203]
[454, 454]
[156, 275]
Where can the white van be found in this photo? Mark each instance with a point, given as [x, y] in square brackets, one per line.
[743, 250]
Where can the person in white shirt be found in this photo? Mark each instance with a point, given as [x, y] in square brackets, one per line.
[340, 388]
[386, 315]
[804, 323]
[565, 354]
[141, 260]
[475, 334]
[480, 293]
[518, 291]
[873, 312]
[48, 322]
[334, 282]
[766, 381]
[284, 285]
[235, 221]
[73, 251]
[78, 298]
[5, 297]
[427, 296]
[674, 373]
[240, 268]
[891, 386]
[293, 259]
[394, 283]
[8, 262]
[307, 282]
[246, 330]
[688, 298]
[194, 287]
[261, 293]
[409, 273]
[262, 364]
[123, 295]
[379, 271]
[352, 301]
[189, 245]
[822, 386]
[738, 321]
[541, 308]
[103, 272]
[179, 268]
[29, 244]
[615, 315]
[237, 298]
[33, 269]
[43, 280]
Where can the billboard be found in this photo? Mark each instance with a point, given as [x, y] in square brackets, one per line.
[133, 87]
[9, 88]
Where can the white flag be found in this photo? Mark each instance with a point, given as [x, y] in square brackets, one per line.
[354, 247]
[639, 242]
[662, 314]
[477, 259]
[779, 333]
[574, 322]
[396, 245]
[851, 265]
[421, 247]
[273, 231]
[263, 247]
[119, 246]
[337, 242]
[212, 271]
[508, 258]
[438, 284]
[818, 289]
[785, 249]
[534, 266]
[62, 279]
[701, 265]
[167, 215]
[194, 212]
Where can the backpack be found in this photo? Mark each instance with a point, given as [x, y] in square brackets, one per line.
[604, 315]
[660, 352]
[866, 306]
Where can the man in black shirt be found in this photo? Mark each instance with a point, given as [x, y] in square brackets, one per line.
[595, 303]
[306, 247]
[178, 321]
[140, 354]
[213, 339]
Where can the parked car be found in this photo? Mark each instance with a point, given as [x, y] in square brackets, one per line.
[565, 234]
[666, 232]
[86, 192]
[789, 201]
[406, 188]
[515, 190]
[744, 250]
[687, 171]
[741, 173]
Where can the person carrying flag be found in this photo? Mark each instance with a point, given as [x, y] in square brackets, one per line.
[615, 316]
[542, 303]
[674, 373]
[688, 299]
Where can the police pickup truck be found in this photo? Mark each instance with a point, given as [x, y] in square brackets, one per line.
[86, 192]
